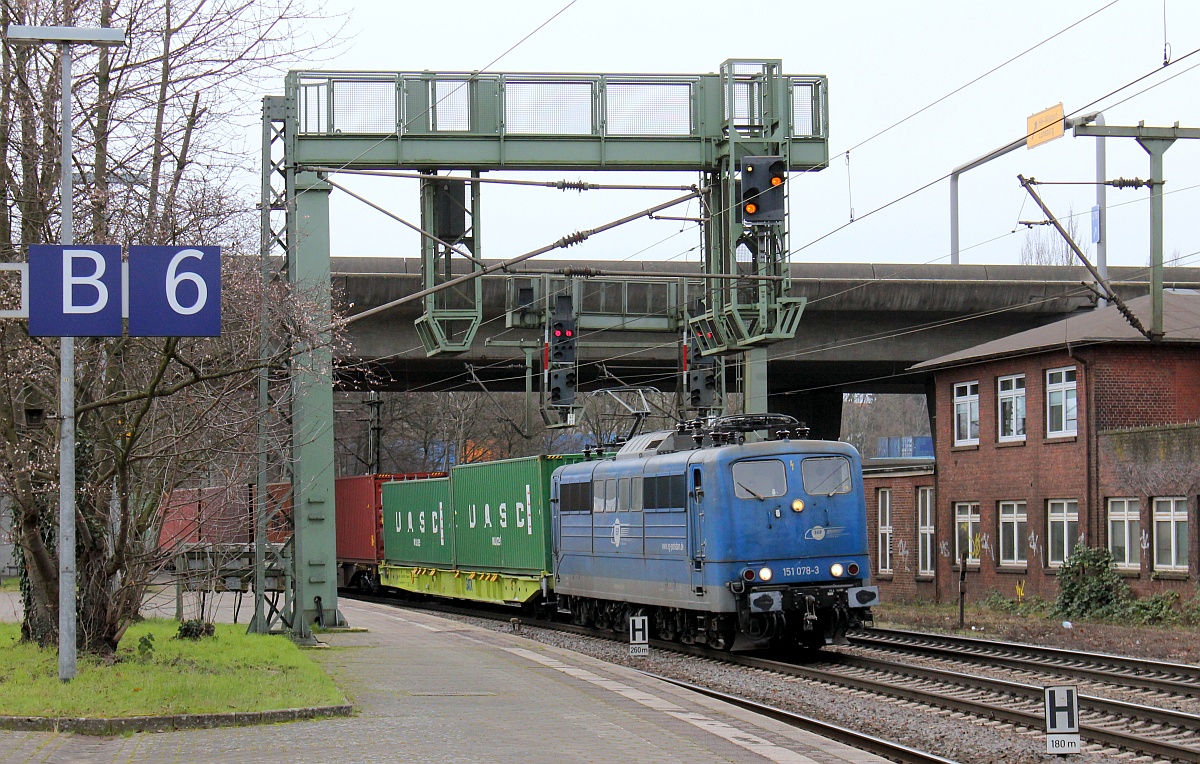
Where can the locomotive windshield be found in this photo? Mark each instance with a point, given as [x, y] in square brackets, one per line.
[826, 475]
[759, 480]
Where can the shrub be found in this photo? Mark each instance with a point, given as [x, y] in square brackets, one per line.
[1159, 610]
[1089, 586]
[195, 629]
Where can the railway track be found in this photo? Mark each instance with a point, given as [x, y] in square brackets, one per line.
[1135, 673]
[1139, 728]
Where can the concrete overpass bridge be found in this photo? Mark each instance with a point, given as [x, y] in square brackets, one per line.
[864, 324]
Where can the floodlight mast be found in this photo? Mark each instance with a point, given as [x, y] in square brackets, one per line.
[65, 37]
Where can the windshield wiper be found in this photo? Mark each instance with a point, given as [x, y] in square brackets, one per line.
[750, 490]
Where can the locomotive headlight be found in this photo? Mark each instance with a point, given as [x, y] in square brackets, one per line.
[798, 505]
[837, 570]
[765, 574]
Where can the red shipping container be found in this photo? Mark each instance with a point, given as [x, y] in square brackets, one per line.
[217, 515]
[359, 514]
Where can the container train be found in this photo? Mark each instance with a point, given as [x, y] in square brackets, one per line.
[718, 540]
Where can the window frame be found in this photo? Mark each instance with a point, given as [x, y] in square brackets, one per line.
[1070, 402]
[1017, 516]
[1176, 514]
[1130, 513]
[883, 503]
[966, 397]
[1017, 395]
[1067, 515]
[926, 530]
[973, 522]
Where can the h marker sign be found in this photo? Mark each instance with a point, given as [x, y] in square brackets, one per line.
[80, 290]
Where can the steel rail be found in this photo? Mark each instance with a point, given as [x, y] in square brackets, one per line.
[1036, 693]
[844, 735]
[1138, 673]
[987, 708]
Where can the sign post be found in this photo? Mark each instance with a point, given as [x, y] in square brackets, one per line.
[1062, 719]
[639, 636]
[65, 37]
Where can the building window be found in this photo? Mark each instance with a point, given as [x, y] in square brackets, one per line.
[966, 414]
[1063, 516]
[1125, 532]
[925, 530]
[1170, 534]
[1012, 533]
[966, 523]
[1011, 395]
[1060, 402]
[885, 530]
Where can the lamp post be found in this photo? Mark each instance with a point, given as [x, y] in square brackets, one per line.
[65, 37]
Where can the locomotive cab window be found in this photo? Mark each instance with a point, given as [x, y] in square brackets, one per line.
[759, 480]
[825, 476]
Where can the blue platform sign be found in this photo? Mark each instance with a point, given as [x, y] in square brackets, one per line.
[75, 290]
[174, 291]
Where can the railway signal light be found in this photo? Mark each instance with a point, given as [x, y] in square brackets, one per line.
[763, 180]
[562, 340]
[702, 385]
[562, 387]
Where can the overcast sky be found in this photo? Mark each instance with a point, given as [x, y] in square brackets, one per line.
[885, 60]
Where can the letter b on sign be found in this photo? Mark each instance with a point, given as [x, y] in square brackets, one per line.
[74, 291]
[174, 291]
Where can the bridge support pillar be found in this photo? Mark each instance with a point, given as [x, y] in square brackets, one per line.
[821, 410]
[312, 423]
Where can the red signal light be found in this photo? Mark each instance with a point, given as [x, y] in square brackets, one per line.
[558, 332]
[570, 333]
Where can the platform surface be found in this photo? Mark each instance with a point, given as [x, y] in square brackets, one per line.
[427, 689]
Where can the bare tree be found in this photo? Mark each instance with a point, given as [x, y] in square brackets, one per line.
[152, 414]
[868, 417]
[1044, 245]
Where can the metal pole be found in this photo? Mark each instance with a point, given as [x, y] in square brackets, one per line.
[66, 431]
[1156, 148]
[954, 218]
[955, 173]
[1101, 203]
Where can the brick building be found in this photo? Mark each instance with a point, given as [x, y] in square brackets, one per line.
[1081, 431]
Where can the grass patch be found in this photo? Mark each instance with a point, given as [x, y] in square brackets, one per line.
[10, 584]
[232, 671]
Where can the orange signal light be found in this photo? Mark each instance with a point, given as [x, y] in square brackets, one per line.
[751, 208]
[776, 180]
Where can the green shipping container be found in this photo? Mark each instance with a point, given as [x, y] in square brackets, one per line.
[502, 514]
[418, 523]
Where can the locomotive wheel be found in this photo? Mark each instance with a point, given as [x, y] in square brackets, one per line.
[720, 636]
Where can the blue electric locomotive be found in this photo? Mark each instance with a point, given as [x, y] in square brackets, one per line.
[714, 537]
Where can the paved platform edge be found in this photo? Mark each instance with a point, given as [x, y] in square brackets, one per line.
[105, 727]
